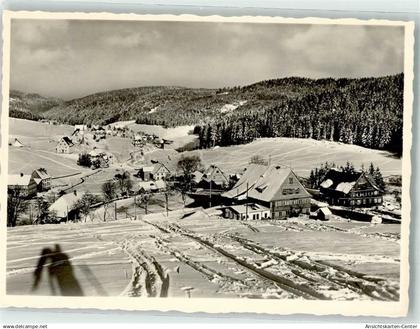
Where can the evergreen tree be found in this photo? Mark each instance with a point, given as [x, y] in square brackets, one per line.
[379, 180]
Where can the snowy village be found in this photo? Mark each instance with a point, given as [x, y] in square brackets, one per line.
[227, 169]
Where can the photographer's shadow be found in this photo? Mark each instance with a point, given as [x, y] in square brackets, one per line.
[61, 278]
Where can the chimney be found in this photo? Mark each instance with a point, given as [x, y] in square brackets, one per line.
[75, 192]
[21, 174]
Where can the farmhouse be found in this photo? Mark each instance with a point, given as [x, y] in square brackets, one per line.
[251, 211]
[42, 179]
[65, 207]
[213, 177]
[274, 187]
[25, 185]
[150, 186]
[64, 145]
[351, 189]
[156, 172]
[160, 172]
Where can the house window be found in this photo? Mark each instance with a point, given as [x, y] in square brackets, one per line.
[290, 180]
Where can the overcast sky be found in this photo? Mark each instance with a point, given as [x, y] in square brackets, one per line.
[68, 59]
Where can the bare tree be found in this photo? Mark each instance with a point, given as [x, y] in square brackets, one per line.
[85, 203]
[258, 159]
[143, 199]
[109, 191]
[188, 164]
[43, 213]
[16, 205]
[125, 183]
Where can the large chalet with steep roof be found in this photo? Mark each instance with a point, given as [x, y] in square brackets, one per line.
[276, 188]
[350, 189]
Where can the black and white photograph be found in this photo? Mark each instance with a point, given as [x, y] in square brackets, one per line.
[199, 159]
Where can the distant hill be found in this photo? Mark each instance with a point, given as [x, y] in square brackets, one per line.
[30, 106]
[366, 111]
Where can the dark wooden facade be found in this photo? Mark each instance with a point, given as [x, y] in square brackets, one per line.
[350, 189]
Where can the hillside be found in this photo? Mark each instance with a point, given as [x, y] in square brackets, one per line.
[366, 112]
[300, 154]
[30, 106]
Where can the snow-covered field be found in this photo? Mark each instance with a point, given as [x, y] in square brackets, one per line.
[197, 252]
[300, 154]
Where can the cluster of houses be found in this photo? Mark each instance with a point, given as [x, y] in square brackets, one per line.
[259, 192]
[29, 185]
[275, 192]
[65, 144]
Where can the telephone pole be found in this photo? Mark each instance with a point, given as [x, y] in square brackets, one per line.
[115, 210]
[246, 204]
[135, 211]
[210, 193]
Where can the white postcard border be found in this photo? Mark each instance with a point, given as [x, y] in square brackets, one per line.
[215, 305]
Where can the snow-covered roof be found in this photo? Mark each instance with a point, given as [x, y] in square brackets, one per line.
[159, 184]
[94, 153]
[158, 166]
[67, 140]
[65, 203]
[215, 174]
[197, 176]
[265, 183]
[19, 180]
[345, 187]
[42, 174]
[80, 127]
[325, 210]
[327, 183]
[343, 182]
[148, 168]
